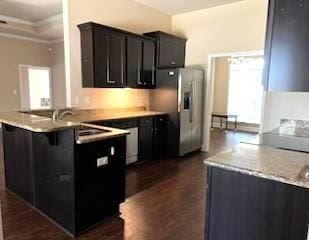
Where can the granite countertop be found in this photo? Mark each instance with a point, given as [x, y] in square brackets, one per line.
[41, 121]
[101, 115]
[266, 162]
[35, 123]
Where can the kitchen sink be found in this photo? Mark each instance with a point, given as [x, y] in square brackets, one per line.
[88, 131]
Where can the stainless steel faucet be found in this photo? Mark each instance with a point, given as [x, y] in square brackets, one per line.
[57, 116]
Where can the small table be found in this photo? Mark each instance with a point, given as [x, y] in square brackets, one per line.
[225, 116]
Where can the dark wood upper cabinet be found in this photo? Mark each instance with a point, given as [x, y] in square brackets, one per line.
[286, 49]
[103, 57]
[149, 64]
[170, 50]
[113, 58]
[134, 62]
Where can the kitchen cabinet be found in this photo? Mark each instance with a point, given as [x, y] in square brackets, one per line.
[18, 162]
[151, 134]
[159, 136]
[241, 207]
[148, 64]
[140, 63]
[113, 58]
[134, 62]
[103, 57]
[286, 48]
[75, 185]
[170, 50]
[145, 138]
[99, 189]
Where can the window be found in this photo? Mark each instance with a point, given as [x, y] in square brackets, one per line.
[245, 88]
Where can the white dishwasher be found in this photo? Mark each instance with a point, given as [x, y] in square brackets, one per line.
[132, 145]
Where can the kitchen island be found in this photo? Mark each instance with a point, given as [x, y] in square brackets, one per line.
[74, 178]
[257, 192]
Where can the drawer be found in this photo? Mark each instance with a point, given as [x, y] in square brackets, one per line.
[147, 121]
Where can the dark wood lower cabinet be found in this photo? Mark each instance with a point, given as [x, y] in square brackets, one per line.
[62, 179]
[17, 144]
[242, 207]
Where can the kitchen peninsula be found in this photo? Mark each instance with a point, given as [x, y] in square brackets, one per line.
[259, 189]
[71, 170]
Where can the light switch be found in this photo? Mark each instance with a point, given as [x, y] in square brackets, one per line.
[102, 161]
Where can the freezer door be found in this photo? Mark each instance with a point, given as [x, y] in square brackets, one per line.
[197, 109]
[186, 110]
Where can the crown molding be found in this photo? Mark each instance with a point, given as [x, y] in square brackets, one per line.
[33, 39]
[16, 20]
[55, 18]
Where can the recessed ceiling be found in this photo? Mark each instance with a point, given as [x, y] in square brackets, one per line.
[40, 19]
[173, 7]
[30, 10]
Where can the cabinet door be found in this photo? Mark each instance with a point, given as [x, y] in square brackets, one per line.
[241, 207]
[134, 62]
[171, 52]
[100, 184]
[145, 139]
[17, 144]
[109, 55]
[149, 64]
[288, 52]
[159, 139]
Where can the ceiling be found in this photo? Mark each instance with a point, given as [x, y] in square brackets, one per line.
[173, 7]
[30, 10]
[40, 19]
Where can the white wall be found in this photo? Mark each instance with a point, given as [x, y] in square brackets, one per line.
[14, 52]
[58, 74]
[288, 105]
[124, 14]
[231, 28]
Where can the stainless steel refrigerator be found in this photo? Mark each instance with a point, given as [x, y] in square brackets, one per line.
[179, 92]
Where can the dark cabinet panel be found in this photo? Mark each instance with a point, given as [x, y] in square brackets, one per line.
[53, 155]
[109, 59]
[286, 49]
[170, 50]
[148, 64]
[17, 145]
[241, 207]
[159, 137]
[99, 188]
[103, 57]
[145, 138]
[134, 62]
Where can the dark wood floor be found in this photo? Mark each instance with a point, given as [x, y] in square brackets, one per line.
[165, 200]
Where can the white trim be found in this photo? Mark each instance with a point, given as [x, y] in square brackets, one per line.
[32, 39]
[54, 18]
[210, 90]
[10, 35]
[20, 66]
[15, 20]
[51, 19]
[56, 41]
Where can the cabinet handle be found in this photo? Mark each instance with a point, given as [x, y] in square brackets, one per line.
[85, 60]
[171, 73]
[107, 62]
[112, 151]
[173, 63]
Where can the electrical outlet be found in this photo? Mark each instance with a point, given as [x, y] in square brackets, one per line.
[102, 161]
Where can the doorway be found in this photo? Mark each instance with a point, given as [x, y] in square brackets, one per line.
[234, 87]
[36, 87]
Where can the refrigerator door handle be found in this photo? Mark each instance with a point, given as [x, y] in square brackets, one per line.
[191, 101]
